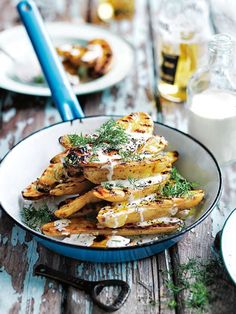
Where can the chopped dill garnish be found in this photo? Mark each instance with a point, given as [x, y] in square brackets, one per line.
[132, 181]
[110, 136]
[79, 139]
[36, 217]
[129, 155]
[177, 185]
[107, 185]
[110, 186]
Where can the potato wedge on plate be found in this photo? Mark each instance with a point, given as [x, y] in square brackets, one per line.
[31, 192]
[65, 227]
[135, 169]
[148, 208]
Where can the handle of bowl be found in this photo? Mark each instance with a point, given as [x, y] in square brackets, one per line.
[62, 93]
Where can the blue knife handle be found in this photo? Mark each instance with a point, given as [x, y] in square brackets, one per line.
[62, 93]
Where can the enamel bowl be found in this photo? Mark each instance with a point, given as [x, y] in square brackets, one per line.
[30, 157]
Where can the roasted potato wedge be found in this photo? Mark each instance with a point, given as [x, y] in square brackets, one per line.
[120, 214]
[71, 206]
[31, 192]
[119, 191]
[153, 145]
[81, 225]
[52, 175]
[59, 157]
[101, 64]
[75, 185]
[136, 169]
[139, 122]
[71, 186]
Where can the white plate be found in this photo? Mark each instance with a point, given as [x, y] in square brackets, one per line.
[228, 247]
[16, 42]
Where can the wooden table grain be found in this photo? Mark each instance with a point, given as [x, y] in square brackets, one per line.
[20, 291]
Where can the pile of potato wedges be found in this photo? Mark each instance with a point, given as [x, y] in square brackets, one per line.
[122, 190]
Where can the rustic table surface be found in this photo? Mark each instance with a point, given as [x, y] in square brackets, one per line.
[20, 291]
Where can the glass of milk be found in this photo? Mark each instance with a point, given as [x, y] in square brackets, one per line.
[212, 101]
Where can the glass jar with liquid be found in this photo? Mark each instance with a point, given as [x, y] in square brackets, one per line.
[212, 101]
[115, 9]
[183, 29]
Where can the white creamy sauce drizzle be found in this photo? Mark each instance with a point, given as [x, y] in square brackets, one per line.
[80, 239]
[173, 210]
[110, 214]
[110, 168]
[116, 222]
[75, 52]
[131, 198]
[139, 182]
[141, 210]
[90, 56]
[129, 208]
[66, 47]
[117, 241]
[102, 157]
[61, 224]
[138, 201]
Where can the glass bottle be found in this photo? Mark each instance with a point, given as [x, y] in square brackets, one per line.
[212, 101]
[183, 29]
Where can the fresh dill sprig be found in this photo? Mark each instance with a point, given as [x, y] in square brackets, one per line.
[110, 136]
[195, 279]
[35, 217]
[177, 185]
[79, 139]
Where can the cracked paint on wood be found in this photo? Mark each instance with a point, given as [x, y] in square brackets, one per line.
[19, 253]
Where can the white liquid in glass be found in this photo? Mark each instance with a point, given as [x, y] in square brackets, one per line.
[212, 120]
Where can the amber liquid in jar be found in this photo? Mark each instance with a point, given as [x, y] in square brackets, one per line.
[115, 9]
[177, 64]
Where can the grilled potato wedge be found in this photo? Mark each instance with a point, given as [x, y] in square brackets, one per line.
[139, 122]
[59, 157]
[71, 186]
[75, 185]
[153, 145]
[73, 205]
[52, 175]
[64, 140]
[119, 191]
[31, 192]
[135, 169]
[81, 225]
[102, 64]
[152, 207]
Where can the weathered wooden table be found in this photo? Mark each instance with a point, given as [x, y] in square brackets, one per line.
[20, 291]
